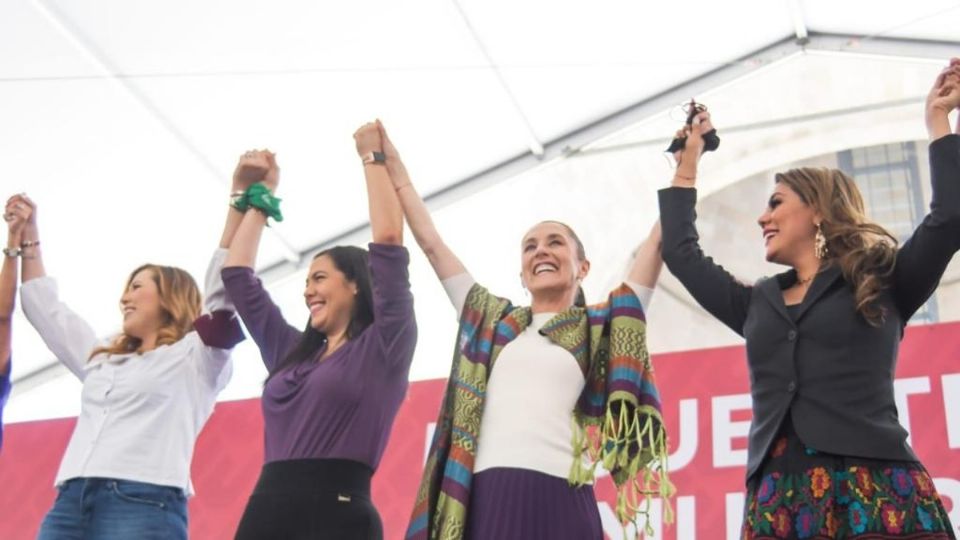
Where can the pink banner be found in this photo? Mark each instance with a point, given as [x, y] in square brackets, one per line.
[706, 405]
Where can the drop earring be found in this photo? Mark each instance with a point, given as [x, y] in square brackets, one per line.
[820, 244]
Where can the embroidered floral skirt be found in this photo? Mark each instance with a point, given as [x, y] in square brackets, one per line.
[802, 493]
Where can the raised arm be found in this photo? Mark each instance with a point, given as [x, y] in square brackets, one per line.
[218, 327]
[715, 289]
[394, 320]
[444, 262]
[16, 219]
[941, 101]
[243, 230]
[647, 261]
[251, 168]
[259, 313]
[31, 256]
[924, 257]
[386, 217]
[8, 290]
[65, 333]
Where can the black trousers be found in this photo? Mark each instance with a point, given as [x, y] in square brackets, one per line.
[311, 499]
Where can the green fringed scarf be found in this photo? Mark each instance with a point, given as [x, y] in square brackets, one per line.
[618, 417]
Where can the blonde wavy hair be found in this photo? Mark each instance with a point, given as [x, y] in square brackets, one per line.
[864, 250]
[180, 301]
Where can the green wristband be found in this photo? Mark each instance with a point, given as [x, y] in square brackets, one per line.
[259, 197]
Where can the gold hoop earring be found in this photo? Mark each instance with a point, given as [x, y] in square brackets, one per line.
[820, 244]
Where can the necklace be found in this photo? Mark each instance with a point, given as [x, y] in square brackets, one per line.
[804, 281]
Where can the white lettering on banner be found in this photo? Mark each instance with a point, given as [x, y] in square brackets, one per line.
[611, 526]
[734, 506]
[685, 523]
[725, 430]
[903, 388]
[431, 427]
[685, 518]
[689, 436]
[950, 488]
[951, 408]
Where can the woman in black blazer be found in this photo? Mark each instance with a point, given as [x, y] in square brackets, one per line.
[827, 457]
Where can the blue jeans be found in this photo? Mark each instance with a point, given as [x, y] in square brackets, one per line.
[108, 509]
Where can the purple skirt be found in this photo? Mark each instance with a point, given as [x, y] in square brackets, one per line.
[520, 504]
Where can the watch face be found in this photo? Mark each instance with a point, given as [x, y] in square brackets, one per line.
[375, 157]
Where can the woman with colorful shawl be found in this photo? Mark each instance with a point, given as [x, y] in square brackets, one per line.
[539, 396]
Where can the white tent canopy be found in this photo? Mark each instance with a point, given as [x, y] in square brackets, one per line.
[123, 120]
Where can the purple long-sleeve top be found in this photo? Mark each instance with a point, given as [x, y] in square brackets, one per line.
[342, 407]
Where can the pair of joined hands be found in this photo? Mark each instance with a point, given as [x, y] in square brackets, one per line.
[261, 165]
[20, 212]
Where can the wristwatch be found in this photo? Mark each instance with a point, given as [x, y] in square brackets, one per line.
[377, 158]
[12, 251]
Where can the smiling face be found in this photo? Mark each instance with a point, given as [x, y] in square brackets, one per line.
[329, 296]
[552, 260]
[788, 225]
[141, 306]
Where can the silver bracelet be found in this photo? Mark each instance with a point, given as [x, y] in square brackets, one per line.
[236, 197]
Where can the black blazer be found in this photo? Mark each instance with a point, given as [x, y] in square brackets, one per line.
[830, 370]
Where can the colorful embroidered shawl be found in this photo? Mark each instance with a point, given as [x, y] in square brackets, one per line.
[618, 420]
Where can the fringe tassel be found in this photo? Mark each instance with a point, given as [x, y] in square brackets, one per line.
[638, 477]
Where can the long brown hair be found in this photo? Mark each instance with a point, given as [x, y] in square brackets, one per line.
[180, 301]
[864, 251]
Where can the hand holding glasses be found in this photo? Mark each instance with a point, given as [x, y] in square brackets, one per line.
[710, 139]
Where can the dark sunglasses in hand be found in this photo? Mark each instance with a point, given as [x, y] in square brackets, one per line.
[710, 139]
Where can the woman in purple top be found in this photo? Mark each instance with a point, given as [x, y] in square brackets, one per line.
[334, 388]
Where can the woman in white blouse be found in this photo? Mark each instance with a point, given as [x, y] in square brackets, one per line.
[147, 392]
